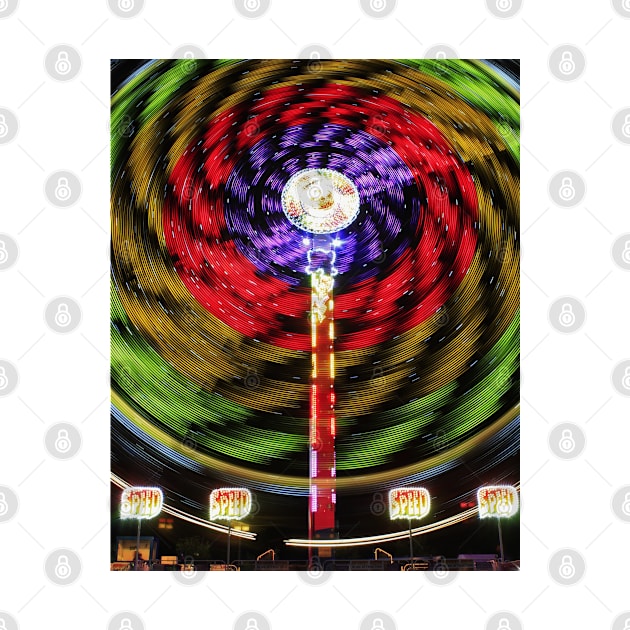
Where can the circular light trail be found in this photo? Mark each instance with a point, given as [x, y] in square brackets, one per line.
[210, 290]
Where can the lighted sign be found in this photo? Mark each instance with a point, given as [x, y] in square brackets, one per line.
[137, 502]
[230, 503]
[497, 501]
[409, 503]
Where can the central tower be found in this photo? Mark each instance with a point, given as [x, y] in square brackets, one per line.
[321, 202]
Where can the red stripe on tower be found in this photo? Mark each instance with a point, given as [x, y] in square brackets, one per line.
[322, 422]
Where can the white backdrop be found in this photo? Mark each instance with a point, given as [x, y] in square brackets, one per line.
[573, 375]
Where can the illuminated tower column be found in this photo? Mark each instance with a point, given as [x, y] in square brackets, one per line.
[322, 422]
[321, 202]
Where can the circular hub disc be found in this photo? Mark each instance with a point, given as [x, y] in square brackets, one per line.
[320, 200]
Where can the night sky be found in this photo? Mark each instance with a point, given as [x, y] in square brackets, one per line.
[210, 330]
